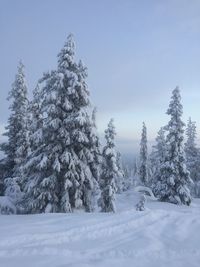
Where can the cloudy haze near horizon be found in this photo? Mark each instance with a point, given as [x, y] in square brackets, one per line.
[136, 53]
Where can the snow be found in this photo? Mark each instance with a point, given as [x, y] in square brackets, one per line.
[162, 235]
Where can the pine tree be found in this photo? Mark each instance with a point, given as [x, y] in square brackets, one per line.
[119, 180]
[36, 124]
[157, 158]
[62, 171]
[17, 147]
[96, 147]
[140, 205]
[192, 156]
[134, 172]
[143, 168]
[109, 171]
[97, 160]
[40, 170]
[135, 168]
[85, 143]
[174, 176]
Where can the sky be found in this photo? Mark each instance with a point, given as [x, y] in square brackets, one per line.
[136, 51]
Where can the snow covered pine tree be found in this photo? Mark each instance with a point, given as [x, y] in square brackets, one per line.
[156, 159]
[174, 176]
[120, 179]
[17, 147]
[143, 168]
[62, 172]
[193, 157]
[140, 205]
[109, 171]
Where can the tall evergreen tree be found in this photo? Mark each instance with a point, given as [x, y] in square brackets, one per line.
[143, 168]
[40, 171]
[109, 171]
[62, 172]
[192, 156]
[85, 143]
[174, 176]
[120, 179]
[17, 147]
[36, 124]
[157, 158]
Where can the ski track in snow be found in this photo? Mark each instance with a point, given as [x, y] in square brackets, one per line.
[163, 235]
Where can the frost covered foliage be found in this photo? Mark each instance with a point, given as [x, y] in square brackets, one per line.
[157, 158]
[12, 196]
[36, 118]
[141, 203]
[109, 171]
[192, 157]
[174, 178]
[62, 171]
[120, 179]
[143, 168]
[13, 190]
[17, 147]
[6, 206]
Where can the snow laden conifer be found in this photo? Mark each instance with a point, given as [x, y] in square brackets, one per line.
[140, 206]
[36, 142]
[85, 144]
[174, 176]
[17, 148]
[157, 158]
[192, 156]
[36, 114]
[41, 189]
[109, 171]
[120, 179]
[143, 167]
[61, 172]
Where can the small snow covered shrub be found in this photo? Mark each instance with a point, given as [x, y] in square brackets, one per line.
[6, 206]
[140, 204]
[12, 189]
[13, 195]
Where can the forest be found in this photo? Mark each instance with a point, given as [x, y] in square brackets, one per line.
[54, 161]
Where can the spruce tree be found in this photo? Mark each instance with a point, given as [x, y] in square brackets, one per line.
[17, 147]
[143, 168]
[40, 171]
[62, 171]
[119, 180]
[109, 171]
[157, 158]
[174, 176]
[36, 124]
[192, 156]
[85, 145]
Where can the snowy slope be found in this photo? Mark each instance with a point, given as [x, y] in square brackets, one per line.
[163, 235]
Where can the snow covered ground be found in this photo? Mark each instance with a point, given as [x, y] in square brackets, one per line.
[163, 235]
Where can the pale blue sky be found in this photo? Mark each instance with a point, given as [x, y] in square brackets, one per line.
[136, 53]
